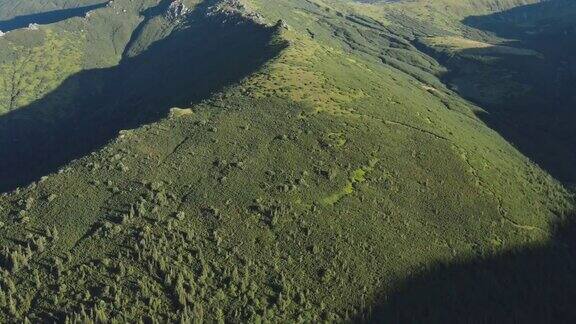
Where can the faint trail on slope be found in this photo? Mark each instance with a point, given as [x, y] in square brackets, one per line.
[493, 194]
[389, 122]
[473, 172]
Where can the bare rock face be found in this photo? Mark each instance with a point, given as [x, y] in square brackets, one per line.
[227, 7]
[176, 10]
[236, 8]
[282, 24]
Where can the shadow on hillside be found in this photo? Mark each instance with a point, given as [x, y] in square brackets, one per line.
[534, 285]
[540, 121]
[45, 18]
[147, 16]
[91, 107]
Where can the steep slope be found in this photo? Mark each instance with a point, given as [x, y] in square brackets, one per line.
[13, 19]
[68, 109]
[308, 185]
[515, 62]
[11, 9]
[539, 118]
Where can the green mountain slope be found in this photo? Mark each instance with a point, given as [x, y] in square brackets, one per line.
[520, 68]
[83, 111]
[234, 167]
[11, 9]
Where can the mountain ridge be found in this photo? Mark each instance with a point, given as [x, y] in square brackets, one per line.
[307, 188]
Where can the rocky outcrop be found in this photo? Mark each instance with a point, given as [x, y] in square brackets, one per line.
[176, 10]
[281, 24]
[236, 8]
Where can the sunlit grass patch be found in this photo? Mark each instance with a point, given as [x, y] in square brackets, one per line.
[460, 44]
[356, 176]
[297, 75]
[37, 71]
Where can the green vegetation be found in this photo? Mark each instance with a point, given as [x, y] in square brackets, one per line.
[222, 165]
[357, 176]
[38, 70]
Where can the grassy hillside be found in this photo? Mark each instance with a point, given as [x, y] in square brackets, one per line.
[11, 9]
[522, 75]
[231, 167]
[87, 109]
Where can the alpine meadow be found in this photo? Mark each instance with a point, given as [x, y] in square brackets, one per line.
[282, 161]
